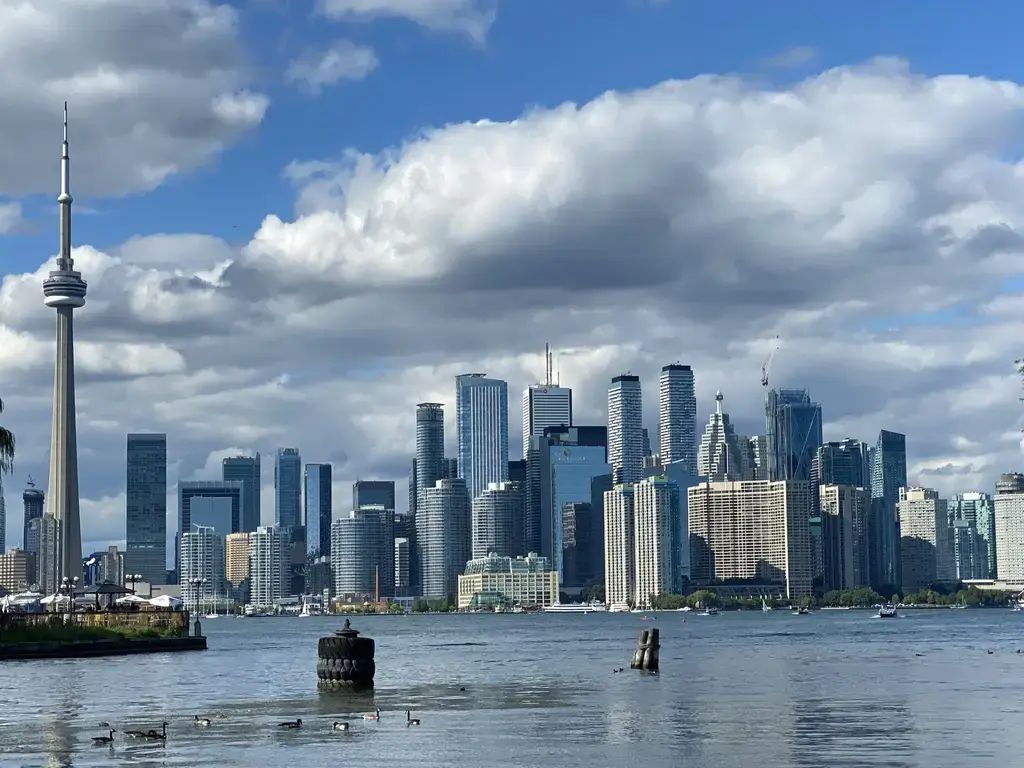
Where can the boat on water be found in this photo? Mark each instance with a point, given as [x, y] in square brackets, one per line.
[887, 612]
[709, 611]
[593, 607]
[764, 606]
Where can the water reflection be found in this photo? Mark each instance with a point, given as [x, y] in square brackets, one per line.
[852, 733]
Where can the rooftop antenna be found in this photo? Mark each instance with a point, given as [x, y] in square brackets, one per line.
[31, 483]
[558, 374]
[547, 364]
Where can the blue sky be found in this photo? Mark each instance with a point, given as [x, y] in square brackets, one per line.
[537, 52]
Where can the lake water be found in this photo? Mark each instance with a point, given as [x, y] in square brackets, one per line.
[838, 688]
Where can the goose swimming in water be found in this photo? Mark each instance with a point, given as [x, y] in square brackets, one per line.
[160, 735]
[202, 722]
[135, 734]
[340, 725]
[296, 723]
[410, 720]
[374, 716]
[105, 724]
[99, 740]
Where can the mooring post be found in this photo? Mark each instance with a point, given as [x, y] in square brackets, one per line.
[641, 647]
[653, 652]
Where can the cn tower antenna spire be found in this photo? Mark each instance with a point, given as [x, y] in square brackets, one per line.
[64, 260]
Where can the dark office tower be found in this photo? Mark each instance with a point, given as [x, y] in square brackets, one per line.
[888, 475]
[33, 499]
[451, 469]
[846, 463]
[517, 472]
[647, 442]
[412, 488]
[288, 488]
[793, 433]
[317, 511]
[373, 493]
[246, 470]
[146, 507]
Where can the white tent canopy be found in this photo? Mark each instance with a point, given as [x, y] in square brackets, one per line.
[165, 601]
[131, 599]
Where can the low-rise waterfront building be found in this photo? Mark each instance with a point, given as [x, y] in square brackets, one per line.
[494, 580]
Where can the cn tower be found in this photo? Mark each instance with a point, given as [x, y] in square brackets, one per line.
[64, 290]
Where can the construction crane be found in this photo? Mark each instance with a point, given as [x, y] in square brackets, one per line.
[31, 483]
[766, 368]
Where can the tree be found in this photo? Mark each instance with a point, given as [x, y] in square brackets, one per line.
[6, 447]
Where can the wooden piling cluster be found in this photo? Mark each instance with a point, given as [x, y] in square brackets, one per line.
[648, 651]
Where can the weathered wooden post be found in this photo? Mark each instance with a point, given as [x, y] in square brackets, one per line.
[652, 656]
[345, 661]
[641, 648]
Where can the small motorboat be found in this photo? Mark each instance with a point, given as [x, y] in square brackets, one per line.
[887, 612]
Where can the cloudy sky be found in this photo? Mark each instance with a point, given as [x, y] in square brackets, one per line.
[299, 218]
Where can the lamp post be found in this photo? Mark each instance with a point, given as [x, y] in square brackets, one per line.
[133, 579]
[67, 590]
[197, 593]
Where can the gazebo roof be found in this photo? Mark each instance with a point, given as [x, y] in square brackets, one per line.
[106, 588]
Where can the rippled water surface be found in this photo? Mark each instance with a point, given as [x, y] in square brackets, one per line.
[770, 690]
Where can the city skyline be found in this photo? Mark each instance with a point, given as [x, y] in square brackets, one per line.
[237, 255]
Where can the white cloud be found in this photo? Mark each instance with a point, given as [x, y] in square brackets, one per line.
[10, 216]
[472, 18]
[155, 87]
[692, 221]
[342, 60]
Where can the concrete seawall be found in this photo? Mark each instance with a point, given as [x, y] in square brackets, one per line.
[91, 648]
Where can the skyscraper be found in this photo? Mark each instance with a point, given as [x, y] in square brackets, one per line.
[430, 464]
[844, 510]
[3, 518]
[481, 413]
[443, 532]
[625, 429]
[288, 488]
[1009, 525]
[33, 500]
[722, 455]
[146, 507]
[317, 512]
[619, 549]
[677, 416]
[210, 503]
[888, 475]
[65, 291]
[545, 405]
[656, 529]
[363, 554]
[497, 521]
[926, 545]
[793, 433]
[373, 493]
[246, 470]
[269, 567]
[977, 511]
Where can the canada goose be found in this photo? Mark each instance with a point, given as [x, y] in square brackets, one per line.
[374, 716]
[99, 740]
[105, 724]
[410, 720]
[160, 735]
[340, 725]
[135, 734]
[296, 723]
[202, 722]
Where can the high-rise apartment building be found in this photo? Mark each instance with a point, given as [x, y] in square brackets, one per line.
[14, 570]
[497, 521]
[926, 546]
[33, 501]
[317, 512]
[481, 413]
[545, 405]
[236, 564]
[619, 547]
[146, 507]
[363, 554]
[48, 574]
[1009, 527]
[443, 534]
[723, 455]
[288, 488]
[755, 530]
[625, 429]
[844, 511]
[401, 566]
[269, 574]
[245, 470]
[202, 575]
[888, 475]
[373, 493]
[976, 538]
[657, 555]
[677, 415]
[3, 518]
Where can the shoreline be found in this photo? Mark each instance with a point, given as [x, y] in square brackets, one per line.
[81, 649]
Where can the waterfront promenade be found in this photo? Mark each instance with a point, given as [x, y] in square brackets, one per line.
[835, 688]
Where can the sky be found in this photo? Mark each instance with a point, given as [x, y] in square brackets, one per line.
[299, 218]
